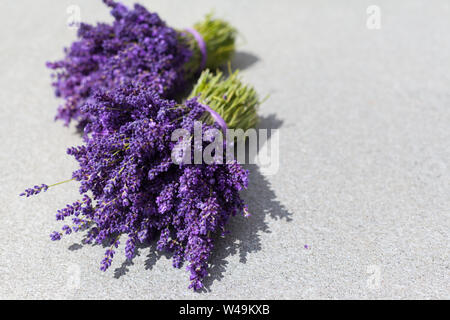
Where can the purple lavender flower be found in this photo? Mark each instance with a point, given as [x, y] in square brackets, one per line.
[35, 190]
[130, 186]
[107, 260]
[138, 46]
[137, 189]
[55, 236]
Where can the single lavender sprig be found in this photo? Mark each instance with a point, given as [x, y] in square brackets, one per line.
[38, 189]
[35, 190]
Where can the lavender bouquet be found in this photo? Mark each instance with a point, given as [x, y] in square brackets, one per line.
[131, 186]
[137, 46]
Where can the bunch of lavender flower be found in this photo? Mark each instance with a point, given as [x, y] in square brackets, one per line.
[137, 46]
[131, 186]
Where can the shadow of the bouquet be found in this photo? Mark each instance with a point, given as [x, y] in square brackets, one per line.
[244, 233]
[243, 60]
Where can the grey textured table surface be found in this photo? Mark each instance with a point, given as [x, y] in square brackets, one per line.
[364, 170]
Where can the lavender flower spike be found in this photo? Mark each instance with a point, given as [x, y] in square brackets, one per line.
[35, 190]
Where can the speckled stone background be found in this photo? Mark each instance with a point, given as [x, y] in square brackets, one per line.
[364, 120]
